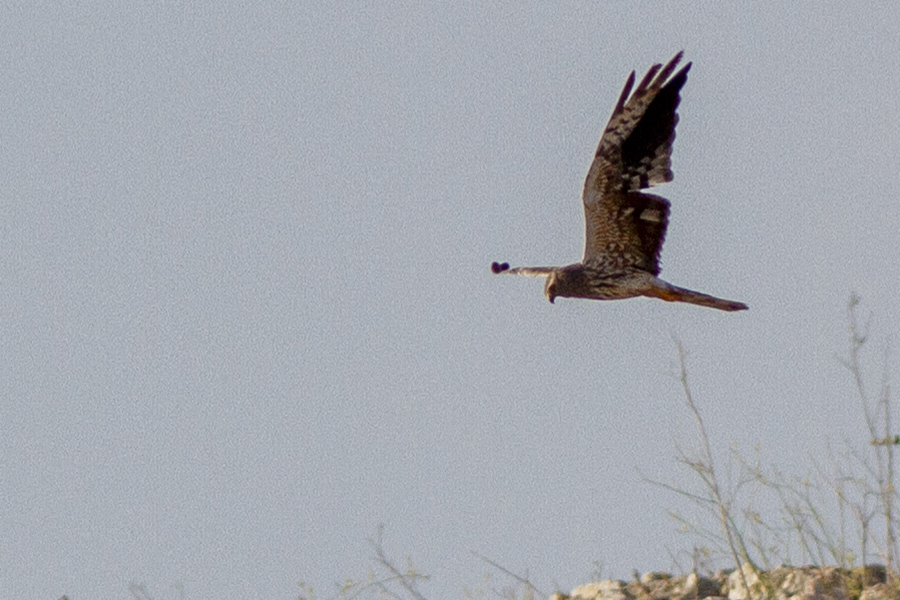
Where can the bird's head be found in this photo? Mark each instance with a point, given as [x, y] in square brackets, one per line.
[550, 286]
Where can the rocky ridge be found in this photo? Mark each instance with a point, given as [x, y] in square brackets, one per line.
[782, 583]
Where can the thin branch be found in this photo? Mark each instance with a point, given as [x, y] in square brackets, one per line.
[523, 580]
[406, 580]
[726, 521]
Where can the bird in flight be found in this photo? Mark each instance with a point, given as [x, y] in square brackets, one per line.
[625, 227]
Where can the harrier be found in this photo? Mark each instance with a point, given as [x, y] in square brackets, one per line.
[624, 227]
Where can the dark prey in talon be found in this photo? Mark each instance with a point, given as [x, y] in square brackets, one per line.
[625, 227]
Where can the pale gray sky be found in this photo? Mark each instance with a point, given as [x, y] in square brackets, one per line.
[246, 314]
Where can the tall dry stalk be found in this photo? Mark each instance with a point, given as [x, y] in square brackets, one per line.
[704, 467]
[882, 441]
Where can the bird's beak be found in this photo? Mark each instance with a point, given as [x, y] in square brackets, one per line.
[551, 299]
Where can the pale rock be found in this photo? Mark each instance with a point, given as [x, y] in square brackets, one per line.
[879, 591]
[601, 590]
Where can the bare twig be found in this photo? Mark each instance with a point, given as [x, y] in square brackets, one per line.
[883, 441]
[705, 468]
[529, 587]
[407, 579]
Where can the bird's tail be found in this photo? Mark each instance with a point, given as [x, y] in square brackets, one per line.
[672, 293]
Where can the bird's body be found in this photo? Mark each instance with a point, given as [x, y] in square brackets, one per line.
[625, 227]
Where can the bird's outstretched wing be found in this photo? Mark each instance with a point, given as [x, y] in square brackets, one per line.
[498, 268]
[623, 226]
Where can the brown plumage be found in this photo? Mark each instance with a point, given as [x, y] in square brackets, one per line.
[624, 227]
